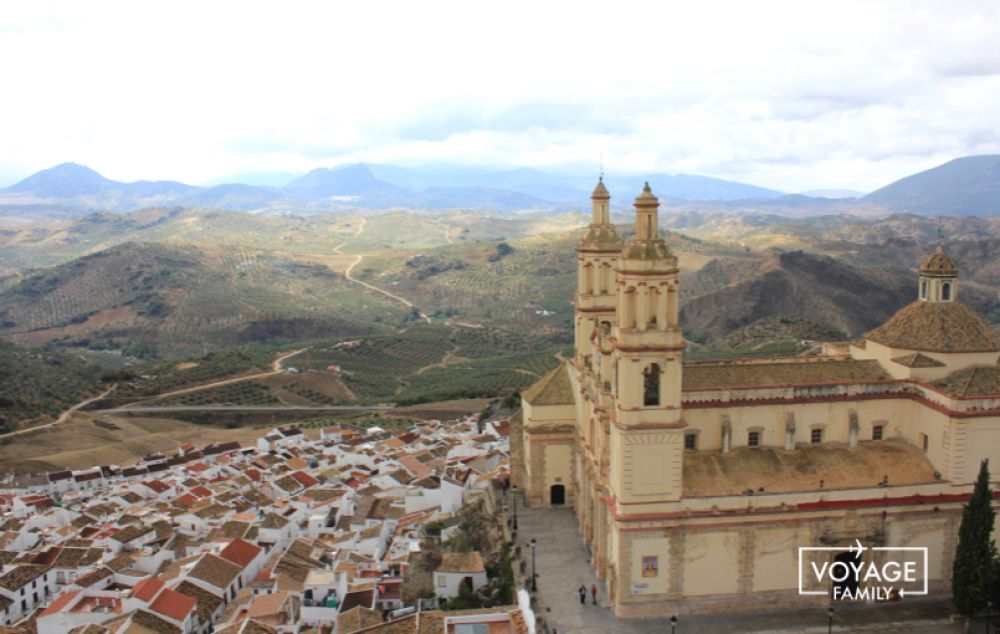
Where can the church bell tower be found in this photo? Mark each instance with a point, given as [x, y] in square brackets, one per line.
[597, 253]
[647, 439]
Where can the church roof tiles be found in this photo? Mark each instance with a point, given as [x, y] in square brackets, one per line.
[975, 381]
[716, 375]
[936, 327]
[552, 389]
[918, 360]
[939, 264]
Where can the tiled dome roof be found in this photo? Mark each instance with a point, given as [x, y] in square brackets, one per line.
[936, 327]
[939, 264]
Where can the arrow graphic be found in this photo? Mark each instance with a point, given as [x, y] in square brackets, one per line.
[860, 549]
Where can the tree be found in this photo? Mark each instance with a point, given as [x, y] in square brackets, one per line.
[511, 401]
[975, 555]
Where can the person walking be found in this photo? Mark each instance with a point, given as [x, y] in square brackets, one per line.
[593, 592]
[583, 595]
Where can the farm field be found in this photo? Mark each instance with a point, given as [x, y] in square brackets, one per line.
[89, 439]
[417, 364]
[81, 443]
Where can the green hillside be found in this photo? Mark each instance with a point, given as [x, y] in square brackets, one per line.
[41, 384]
[156, 300]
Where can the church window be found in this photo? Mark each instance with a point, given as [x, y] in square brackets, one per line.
[816, 436]
[691, 441]
[923, 289]
[924, 443]
[753, 439]
[877, 431]
[651, 385]
[946, 291]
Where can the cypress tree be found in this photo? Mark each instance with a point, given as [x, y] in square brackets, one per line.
[972, 574]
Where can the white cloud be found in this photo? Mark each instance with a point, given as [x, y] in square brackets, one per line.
[788, 95]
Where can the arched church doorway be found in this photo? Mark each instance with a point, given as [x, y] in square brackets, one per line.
[845, 579]
[557, 494]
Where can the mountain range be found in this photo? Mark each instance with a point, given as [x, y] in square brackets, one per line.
[71, 188]
[964, 186]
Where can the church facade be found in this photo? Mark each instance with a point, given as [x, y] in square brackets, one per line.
[697, 485]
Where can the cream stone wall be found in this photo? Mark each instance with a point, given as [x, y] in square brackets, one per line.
[936, 532]
[649, 583]
[535, 414]
[977, 440]
[751, 561]
[711, 562]
[650, 464]
[558, 465]
[775, 560]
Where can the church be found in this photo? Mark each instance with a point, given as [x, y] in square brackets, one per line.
[702, 485]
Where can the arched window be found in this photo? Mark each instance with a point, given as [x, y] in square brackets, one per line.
[946, 291]
[651, 385]
[923, 289]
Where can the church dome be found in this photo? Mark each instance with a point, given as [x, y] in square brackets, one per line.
[939, 264]
[936, 327]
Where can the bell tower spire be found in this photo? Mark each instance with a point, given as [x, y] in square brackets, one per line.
[597, 253]
[601, 202]
[646, 217]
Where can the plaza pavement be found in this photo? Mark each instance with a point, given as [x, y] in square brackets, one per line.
[562, 567]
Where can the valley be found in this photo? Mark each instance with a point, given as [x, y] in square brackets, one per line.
[191, 308]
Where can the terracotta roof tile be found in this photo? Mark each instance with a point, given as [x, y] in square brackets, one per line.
[215, 570]
[936, 327]
[240, 552]
[173, 604]
[207, 603]
[146, 589]
[918, 360]
[974, 381]
[721, 374]
[461, 562]
[552, 389]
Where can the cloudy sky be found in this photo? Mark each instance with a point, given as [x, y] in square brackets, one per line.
[794, 96]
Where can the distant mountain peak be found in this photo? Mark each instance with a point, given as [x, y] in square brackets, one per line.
[354, 179]
[968, 185]
[61, 181]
